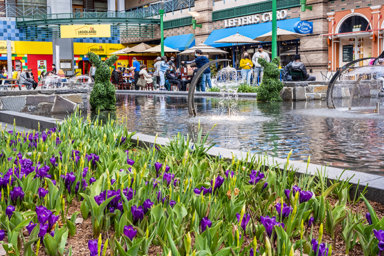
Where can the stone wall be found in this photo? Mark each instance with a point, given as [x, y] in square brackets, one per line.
[41, 104]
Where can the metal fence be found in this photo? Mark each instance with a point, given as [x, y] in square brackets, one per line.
[20, 10]
[168, 6]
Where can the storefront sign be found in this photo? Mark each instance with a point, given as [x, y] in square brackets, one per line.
[303, 27]
[81, 31]
[254, 19]
[41, 66]
[347, 53]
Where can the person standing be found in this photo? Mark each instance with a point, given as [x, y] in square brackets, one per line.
[92, 71]
[53, 69]
[136, 65]
[258, 71]
[156, 74]
[246, 67]
[163, 69]
[200, 61]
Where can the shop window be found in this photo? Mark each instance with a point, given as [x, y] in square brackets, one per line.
[354, 24]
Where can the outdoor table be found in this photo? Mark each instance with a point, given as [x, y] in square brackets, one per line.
[5, 86]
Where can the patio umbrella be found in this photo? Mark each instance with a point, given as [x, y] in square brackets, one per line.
[140, 48]
[119, 52]
[236, 39]
[282, 35]
[157, 48]
[206, 49]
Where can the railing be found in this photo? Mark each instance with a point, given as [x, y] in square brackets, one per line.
[18, 10]
[168, 6]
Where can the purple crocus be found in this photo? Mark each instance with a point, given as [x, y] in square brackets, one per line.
[9, 210]
[285, 211]
[31, 226]
[93, 247]
[227, 172]
[147, 205]
[42, 192]
[52, 220]
[244, 221]
[128, 192]
[264, 186]
[158, 167]
[269, 224]
[130, 232]
[42, 214]
[255, 177]
[85, 171]
[206, 190]
[319, 250]
[197, 191]
[218, 182]
[310, 222]
[91, 180]
[43, 230]
[167, 177]
[205, 222]
[137, 213]
[16, 193]
[130, 161]
[172, 203]
[369, 218]
[305, 196]
[379, 234]
[2, 234]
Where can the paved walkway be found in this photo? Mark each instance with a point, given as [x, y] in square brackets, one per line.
[5, 126]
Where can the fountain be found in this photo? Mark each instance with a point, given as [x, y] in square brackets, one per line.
[75, 82]
[227, 81]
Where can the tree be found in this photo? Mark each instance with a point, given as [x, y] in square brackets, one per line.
[103, 94]
[271, 85]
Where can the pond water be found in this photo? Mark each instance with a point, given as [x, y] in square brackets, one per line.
[338, 138]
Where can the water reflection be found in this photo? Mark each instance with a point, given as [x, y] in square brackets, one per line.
[329, 137]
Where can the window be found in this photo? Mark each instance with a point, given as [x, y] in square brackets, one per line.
[354, 24]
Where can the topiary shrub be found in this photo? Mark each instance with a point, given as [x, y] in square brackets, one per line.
[271, 85]
[103, 94]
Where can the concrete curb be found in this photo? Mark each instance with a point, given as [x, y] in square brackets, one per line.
[40, 91]
[359, 180]
[182, 93]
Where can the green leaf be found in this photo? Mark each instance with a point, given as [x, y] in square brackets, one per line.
[174, 250]
[51, 245]
[157, 212]
[84, 209]
[371, 211]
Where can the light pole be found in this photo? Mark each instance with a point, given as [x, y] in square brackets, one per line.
[161, 12]
[274, 29]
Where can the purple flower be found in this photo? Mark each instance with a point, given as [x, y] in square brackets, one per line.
[218, 182]
[269, 224]
[167, 177]
[251, 253]
[158, 167]
[91, 180]
[42, 192]
[305, 196]
[42, 172]
[244, 221]
[93, 247]
[84, 184]
[369, 218]
[255, 177]
[311, 221]
[379, 234]
[319, 250]
[2, 234]
[227, 173]
[128, 192]
[53, 161]
[197, 191]
[295, 189]
[285, 211]
[172, 203]
[31, 226]
[43, 230]
[85, 171]
[17, 192]
[205, 222]
[264, 186]
[147, 205]
[175, 181]
[43, 214]
[130, 161]
[130, 232]
[167, 168]
[206, 190]
[137, 213]
[52, 220]
[9, 210]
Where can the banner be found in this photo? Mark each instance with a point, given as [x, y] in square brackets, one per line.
[81, 31]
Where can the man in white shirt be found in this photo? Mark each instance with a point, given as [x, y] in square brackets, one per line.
[258, 71]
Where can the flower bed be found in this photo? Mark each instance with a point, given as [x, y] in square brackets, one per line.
[85, 185]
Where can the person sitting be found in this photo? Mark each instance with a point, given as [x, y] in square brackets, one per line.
[145, 79]
[115, 77]
[296, 71]
[172, 79]
[26, 80]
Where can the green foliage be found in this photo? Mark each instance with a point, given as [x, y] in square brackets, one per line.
[214, 89]
[246, 88]
[271, 85]
[103, 93]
